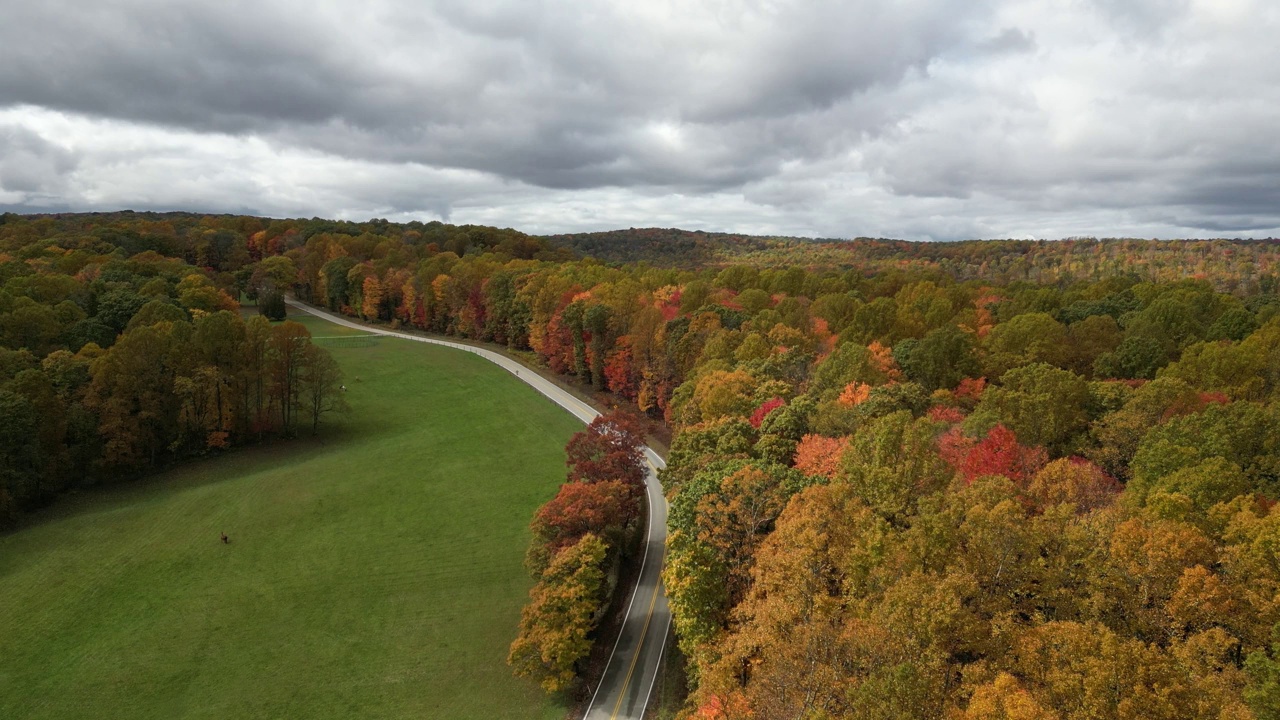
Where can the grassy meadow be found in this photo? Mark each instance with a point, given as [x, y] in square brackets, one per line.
[373, 572]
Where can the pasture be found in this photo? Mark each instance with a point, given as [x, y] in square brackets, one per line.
[372, 572]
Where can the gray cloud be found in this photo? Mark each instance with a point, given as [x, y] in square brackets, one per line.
[30, 165]
[559, 94]
[927, 119]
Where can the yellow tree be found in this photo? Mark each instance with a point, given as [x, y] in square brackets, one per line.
[372, 292]
[555, 625]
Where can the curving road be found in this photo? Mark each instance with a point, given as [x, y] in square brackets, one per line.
[628, 680]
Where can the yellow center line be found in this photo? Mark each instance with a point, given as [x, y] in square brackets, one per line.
[622, 693]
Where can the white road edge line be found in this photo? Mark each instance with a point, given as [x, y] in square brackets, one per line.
[648, 524]
[662, 649]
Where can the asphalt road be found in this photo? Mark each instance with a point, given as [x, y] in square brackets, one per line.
[629, 677]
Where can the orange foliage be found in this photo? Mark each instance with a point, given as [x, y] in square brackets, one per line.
[855, 393]
[946, 414]
[372, 298]
[1073, 480]
[882, 360]
[821, 331]
[819, 455]
[718, 708]
[985, 318]
[971, 388]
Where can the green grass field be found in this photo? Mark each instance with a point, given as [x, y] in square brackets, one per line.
[374, 573]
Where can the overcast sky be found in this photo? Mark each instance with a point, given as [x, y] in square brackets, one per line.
[918, 119]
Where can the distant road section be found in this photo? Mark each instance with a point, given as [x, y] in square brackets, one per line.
[632, 670]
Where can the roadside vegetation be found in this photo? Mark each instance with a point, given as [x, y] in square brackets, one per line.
[579, 539]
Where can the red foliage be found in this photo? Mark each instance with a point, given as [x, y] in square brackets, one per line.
[997, 454]
[419, 313]
[1186, 406]
[717, 708]
[971, 388]
[727, 298]
[1264, 503]
[581, 508]
[762, 412]
[945, 414]
[819, 455]
[557, 345]
[618, 369]
[476, 310]
[610, 448]
[671, 306]
[1214, 398]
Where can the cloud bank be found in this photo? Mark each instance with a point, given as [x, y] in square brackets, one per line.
[923, 119]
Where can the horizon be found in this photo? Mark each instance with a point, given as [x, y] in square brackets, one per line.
[769, 236]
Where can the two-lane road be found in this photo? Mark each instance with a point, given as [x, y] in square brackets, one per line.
[632, 670]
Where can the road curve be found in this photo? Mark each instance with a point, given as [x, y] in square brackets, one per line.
[629, 677]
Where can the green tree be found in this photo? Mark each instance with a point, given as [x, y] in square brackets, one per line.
[336, 283]
[1042, 405]
[1245, 434]
[893, 463]
[1135, 358]
[1089, 339]
[1116, 435]
[941, 359]
[157, 311]
[19, 452]
[1263, 693]
[322, 389]
[271, 305]
[1028, 338]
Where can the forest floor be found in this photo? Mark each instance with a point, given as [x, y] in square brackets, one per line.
[373, 571]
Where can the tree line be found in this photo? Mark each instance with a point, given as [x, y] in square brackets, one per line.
[579, 539]
[1038, 485]
[111, 365]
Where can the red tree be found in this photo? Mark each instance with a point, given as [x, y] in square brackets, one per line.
[996, 454]
[946, 414]
[581, 508]
[609, 449]
[419, 313]
[762, 412]
[971, 389]
[618, 369]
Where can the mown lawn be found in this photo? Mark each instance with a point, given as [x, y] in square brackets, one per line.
[374, 572]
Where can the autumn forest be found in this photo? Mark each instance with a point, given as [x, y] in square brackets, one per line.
[979, 480]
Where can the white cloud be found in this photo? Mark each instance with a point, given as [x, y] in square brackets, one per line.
[919, 119]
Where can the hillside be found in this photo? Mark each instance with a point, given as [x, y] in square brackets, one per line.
[1224, 261]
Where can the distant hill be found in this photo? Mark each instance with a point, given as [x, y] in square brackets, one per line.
[1225, 262]
[672, 247]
